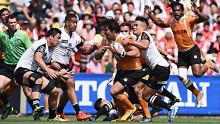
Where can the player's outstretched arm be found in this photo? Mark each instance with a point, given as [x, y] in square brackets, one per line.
[86, 49]
[201, 17]
[156, 21]
[100, 52]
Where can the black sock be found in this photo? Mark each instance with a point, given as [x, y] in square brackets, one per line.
[3, 97]
[76, 107]
[30, 103]
[60, 109]
[52, 113]
[155, 100]
[35, 103]
[166, 93]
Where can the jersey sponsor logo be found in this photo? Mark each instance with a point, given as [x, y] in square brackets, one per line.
[146, 77]
[64, 41]
[195, 56]
[179, 32]
[125, 79]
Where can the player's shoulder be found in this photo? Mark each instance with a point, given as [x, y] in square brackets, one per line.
[76, 36]
[145, 36]
[40, 42]
[22, 33]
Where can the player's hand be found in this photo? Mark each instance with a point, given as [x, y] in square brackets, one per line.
[128, 40]
[55, 65]
[171, 58]
[125, 42]
[194, 7]
[32, 20]
[62, 72]
[147, 10]
[51, 73]
[104, 49]
[113, 51]
[66, 75]
[95, 46]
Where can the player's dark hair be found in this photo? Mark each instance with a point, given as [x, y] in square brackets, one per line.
[2, 10]
[69, 16]
[11, 16]
[142, 19]
[111, 24]
[126, 24]
[175, 3]
[53, 32]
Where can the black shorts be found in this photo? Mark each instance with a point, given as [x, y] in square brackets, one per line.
[7, 70]
[190, 57]
[19, 74]
[62, 66]
[157, 77]
[128, 77]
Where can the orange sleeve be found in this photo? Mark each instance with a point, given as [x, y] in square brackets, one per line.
[192, 19]
[167, 22]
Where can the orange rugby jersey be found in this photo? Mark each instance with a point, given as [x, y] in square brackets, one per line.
[182, 31]
[127, 63]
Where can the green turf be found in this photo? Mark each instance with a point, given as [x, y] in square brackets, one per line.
[159, 120]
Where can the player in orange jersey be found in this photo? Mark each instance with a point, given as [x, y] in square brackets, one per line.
[188, 52]
[127, 64]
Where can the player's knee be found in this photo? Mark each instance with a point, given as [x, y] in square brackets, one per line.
[70, 83]
[35, 78]
[50, 87]
[54, 92]
[114, 92]
[138, 91]
[197, 74]
[182, 74]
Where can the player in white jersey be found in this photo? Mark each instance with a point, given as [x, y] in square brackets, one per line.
[157, 70]
[70, 42]
[26, 72]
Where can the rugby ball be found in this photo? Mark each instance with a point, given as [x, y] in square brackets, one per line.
[118, 48]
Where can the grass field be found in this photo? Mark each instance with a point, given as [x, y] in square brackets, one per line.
[158, 120]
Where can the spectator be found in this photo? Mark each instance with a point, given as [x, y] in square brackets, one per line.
[88, 31]
[86, 16]
[110, 12]
[118, 16]
[168, 43]
[41, 30]
[215, 46]
[201, 44]
[94, 66]
[38, 9]
[207, 32]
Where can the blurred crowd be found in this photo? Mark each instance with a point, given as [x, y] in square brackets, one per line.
[37, 16]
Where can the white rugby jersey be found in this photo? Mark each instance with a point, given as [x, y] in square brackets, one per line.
[27, 60]
[153, 56]
[67, 45]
